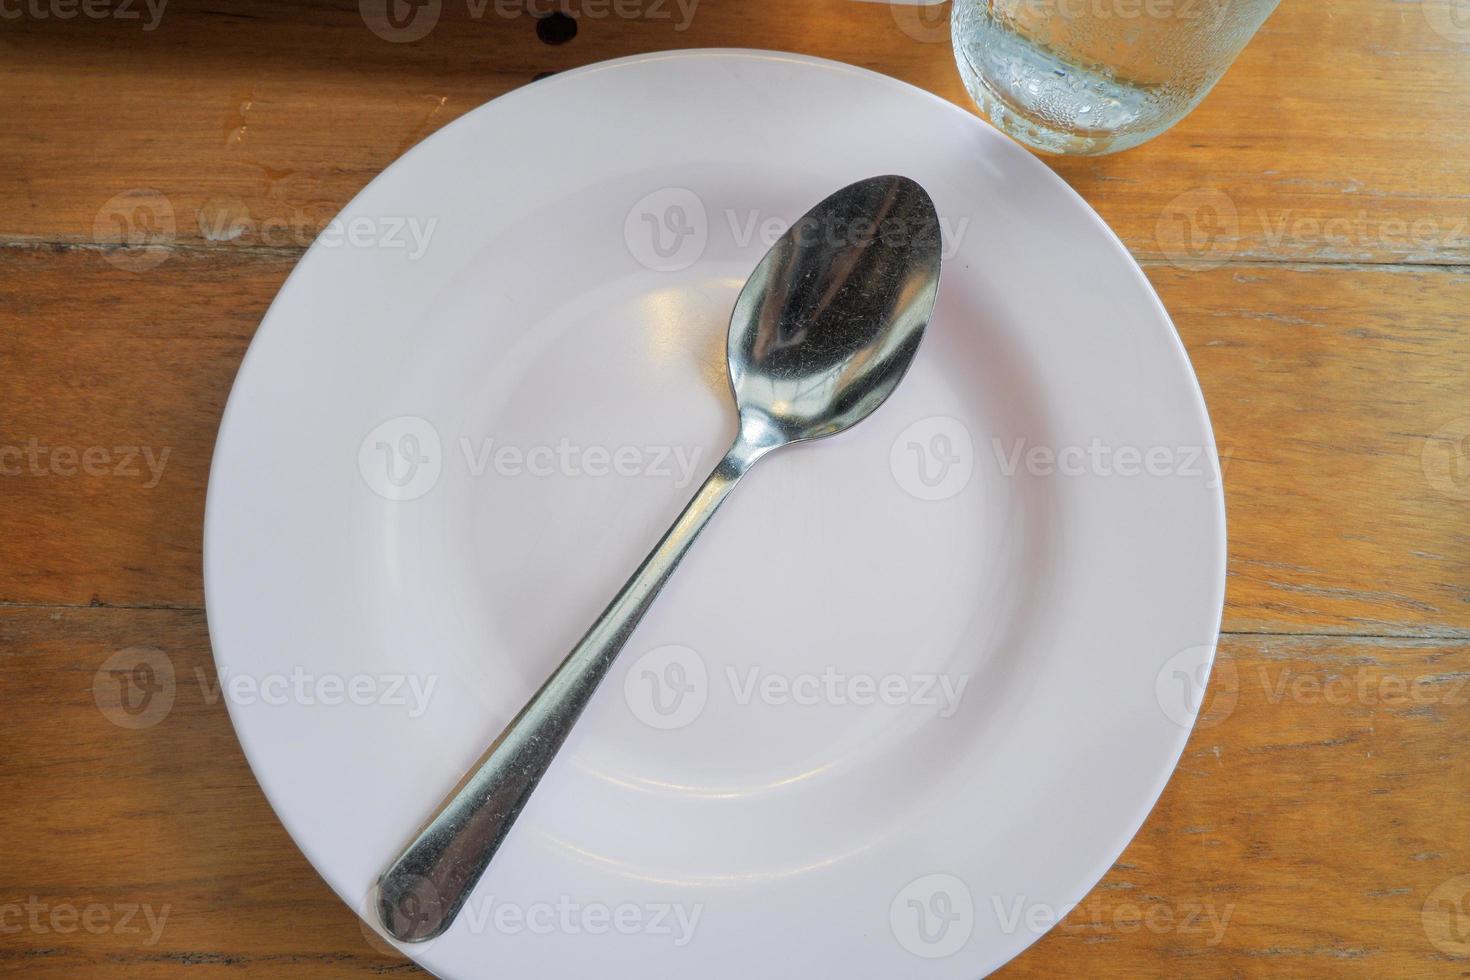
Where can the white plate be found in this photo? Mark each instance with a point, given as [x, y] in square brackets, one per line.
[379, 609]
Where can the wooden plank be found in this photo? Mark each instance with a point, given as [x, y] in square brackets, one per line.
[113, 385]
[1345, 517]
[1340, 410]
[1316, 811]
[1334, 138]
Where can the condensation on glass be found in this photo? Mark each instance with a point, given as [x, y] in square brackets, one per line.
[1096, 76]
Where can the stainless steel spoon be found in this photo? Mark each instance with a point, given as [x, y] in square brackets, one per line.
[822, 332]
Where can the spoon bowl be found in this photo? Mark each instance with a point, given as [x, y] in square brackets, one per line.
[828, 322]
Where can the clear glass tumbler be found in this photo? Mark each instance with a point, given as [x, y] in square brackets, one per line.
[1096, 76]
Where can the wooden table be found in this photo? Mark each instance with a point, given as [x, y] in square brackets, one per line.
[1308, 227]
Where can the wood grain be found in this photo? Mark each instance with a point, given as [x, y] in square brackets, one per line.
[1307, 228]
[1339, 136]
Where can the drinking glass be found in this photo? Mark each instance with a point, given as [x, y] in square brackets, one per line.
[1096, 76]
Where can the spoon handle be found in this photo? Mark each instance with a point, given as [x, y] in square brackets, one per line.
[421, 892]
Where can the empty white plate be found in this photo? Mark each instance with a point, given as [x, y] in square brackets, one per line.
[918, 684]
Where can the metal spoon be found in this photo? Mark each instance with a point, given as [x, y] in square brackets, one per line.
[822, 332]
